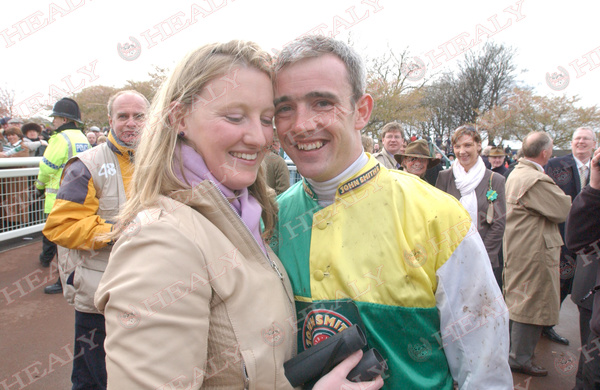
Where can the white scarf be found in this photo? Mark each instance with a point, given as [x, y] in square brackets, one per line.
[466, 182]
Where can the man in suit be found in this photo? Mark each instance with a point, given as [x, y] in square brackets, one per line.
[535, 206]
[571, 174]
[392, 137]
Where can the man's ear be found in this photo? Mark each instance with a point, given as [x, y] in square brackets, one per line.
[364, 108]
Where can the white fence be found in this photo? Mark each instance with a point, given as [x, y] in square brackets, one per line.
[21, 213]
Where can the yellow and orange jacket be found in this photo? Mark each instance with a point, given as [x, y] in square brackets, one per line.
[91, 193]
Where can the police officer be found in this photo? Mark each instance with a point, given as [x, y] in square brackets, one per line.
[67, 141]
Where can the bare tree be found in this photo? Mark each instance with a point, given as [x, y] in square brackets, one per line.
[483, 81]
[92, 102]
[7, 101]
[395, 81]
[441, 119]
[524, 112]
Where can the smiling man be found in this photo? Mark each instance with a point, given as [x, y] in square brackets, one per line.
[392, 137]
[402, 276]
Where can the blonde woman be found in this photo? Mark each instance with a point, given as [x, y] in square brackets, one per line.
[193, 297]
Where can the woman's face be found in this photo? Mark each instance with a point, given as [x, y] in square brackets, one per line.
[13, 138]
[496, 161]
[466, 151]
[415, 165]
[230, 124]
[32, 135]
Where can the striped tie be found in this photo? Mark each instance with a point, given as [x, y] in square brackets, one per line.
[583, 170]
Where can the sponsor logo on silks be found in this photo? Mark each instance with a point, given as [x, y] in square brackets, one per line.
[273, 335]
[558, 80]
[81, 147]
[420, 352]
[565, 363]
[359, 181]
[130, 51]
[321, 324]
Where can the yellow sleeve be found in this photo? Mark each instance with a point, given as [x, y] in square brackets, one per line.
[73, 222]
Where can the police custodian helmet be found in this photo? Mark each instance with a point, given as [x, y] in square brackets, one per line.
[67, 108]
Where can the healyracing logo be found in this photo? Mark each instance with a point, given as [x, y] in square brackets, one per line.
[320, 324]
[558, 80]
[420, 352]
[417, 257]
[130, 51]
[566, 363]
[273, 335]
[414, 70]
[129, 319]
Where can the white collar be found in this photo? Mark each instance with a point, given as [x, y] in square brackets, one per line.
[538, 166]
[325, 190]
[580, 164]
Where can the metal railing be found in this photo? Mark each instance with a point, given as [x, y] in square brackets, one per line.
[21, 212]
[294, 175]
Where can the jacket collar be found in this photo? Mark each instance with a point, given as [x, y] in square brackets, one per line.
[118, 147]
[531, 164]
[363, 176]
[67, 126]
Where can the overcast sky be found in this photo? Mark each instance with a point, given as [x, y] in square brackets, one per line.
[71, 44]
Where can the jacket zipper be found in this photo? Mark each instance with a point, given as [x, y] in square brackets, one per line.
[273, 266]
[246, 377]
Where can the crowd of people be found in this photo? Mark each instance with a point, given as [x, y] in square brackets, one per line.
[521, 218]
[200, 241]
[20, 139]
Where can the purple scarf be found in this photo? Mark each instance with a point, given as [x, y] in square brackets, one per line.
[196, 171]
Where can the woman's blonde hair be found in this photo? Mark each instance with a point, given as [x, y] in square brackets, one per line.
[158, 140]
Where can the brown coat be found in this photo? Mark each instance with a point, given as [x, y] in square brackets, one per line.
[491, 234]
[191, 301]
[277, 173]
[535, 207]
[384, 158]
